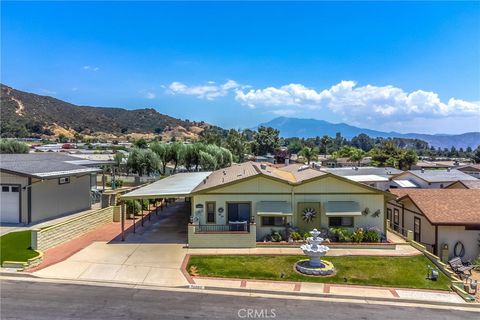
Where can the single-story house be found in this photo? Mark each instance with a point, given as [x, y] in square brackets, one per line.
[440, 219]
[255, 199]
[376, 177]
[345, 162]
[428, 179]
[41, 186]
[471, 169]
[464, 184]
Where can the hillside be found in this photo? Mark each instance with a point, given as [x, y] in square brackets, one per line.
[27, 114]
[295, 127]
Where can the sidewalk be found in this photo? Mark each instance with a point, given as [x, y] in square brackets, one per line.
[325, 289]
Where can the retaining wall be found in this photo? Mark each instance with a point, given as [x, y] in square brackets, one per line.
[43, 239]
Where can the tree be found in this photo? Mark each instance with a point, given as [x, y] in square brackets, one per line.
[143, 161]
[308, 153]
[356, 155]
[176, 153]
[408, 159]
[265, 140]
[13, 146]
[162, 150]
[362, 141]
[237, 144]
[476, 155]
[325, 140]
[62, 138]
[207, 161]
[141, 143]
[294, 146]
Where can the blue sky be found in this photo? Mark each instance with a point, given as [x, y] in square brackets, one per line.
[409, 67]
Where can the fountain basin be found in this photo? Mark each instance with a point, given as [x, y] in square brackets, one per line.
[325, 268]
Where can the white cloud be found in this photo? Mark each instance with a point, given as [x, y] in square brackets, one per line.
[357, 102]
[90, 68]
[150, 95]
[209, 91]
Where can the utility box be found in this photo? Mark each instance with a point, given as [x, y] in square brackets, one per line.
[444, 253]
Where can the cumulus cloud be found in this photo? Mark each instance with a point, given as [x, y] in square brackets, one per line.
[209, 91]
[90, 68]
[355, 102]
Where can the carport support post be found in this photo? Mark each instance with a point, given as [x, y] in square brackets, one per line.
[142, 215]
[134, 213]
[156, 207]
[122, 213]
[149, 210]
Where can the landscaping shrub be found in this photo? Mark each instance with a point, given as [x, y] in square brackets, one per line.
[133, 206]
[305, 235]
[371, 236]
[276, 236]
[341, 234]
[295, 236]
[118, 183]
[357, 235]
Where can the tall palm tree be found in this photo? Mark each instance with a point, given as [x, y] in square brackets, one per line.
[308, 153]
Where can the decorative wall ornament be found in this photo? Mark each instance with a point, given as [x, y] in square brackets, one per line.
[220, 210]
[366, 211]
[376, 214]
[308, 214]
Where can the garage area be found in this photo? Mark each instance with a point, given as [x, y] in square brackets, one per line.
[10, 203]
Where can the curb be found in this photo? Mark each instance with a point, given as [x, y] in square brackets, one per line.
[328, 295]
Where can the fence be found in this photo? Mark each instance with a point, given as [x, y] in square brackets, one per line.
[222, 239]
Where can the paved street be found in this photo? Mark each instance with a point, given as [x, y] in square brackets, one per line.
[36, 300]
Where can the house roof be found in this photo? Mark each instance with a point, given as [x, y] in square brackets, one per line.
[470, 168]
[294, 174]
[364, 171]
[439, 175]
[42, 165]
[444, 206]
[469, 184]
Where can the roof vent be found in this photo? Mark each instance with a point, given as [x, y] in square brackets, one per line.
[448, 169]
[224, 172]
[263, 166]
[304, 167]
[423, 170]
[223, 179]
[204, 181]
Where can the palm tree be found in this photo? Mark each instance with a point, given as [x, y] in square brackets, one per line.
[325, 140]
[308, 154]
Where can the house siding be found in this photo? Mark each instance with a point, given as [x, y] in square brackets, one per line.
[317, 193]
[51, 199]
[450, 235]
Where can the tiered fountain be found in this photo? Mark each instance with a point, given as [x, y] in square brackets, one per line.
[314, 249]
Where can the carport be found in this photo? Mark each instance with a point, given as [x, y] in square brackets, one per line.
[175, 186]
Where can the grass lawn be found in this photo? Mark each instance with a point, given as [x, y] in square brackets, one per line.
[15, 246]
[406, 272]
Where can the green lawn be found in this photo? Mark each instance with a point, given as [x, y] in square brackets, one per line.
[406, 272]
[15, 246]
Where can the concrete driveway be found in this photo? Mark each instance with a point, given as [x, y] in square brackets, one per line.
[153, 255]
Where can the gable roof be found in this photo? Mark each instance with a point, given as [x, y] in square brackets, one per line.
[293, 174]
[468, 184]
[42, 165]
[444, 206]
[438, 175]
[364, 171]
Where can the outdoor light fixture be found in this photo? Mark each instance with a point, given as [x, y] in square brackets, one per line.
[432, 274]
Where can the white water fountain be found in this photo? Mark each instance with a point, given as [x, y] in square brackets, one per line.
[314, 249]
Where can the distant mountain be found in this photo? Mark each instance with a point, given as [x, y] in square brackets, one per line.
[305, 128]
[28, 114]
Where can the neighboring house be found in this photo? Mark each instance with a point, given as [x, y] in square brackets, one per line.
[471, 169]
[439, 164]
[377, 177]
[428, 179]
[468, 184]
[439, 218]
[42, 186]
[345, 162]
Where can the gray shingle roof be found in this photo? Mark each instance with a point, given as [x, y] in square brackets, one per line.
[363, 171]
[42, 165]
[438, 175]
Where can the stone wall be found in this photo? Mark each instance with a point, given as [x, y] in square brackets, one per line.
[221, 239]
[43, 239]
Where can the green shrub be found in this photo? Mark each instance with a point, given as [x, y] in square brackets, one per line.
[118, 183]
[295, 236]
[133, 206]
[305, 235]
[371, 236]
[276, 236]
[357, 235]
[342, 234]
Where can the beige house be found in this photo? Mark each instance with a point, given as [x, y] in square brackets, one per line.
[41, 186]
[242, 204]
[444, 220]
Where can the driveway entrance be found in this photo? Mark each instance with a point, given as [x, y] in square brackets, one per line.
[153, 255]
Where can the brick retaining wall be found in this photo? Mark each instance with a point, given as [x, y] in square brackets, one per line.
[43, 239]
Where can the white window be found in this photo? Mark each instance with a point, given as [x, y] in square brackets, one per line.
[63, 180]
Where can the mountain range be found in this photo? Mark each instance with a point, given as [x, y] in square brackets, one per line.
[25, 114]
[305, 128]
[29, 114]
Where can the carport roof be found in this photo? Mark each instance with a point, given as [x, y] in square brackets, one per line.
[177, 185]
